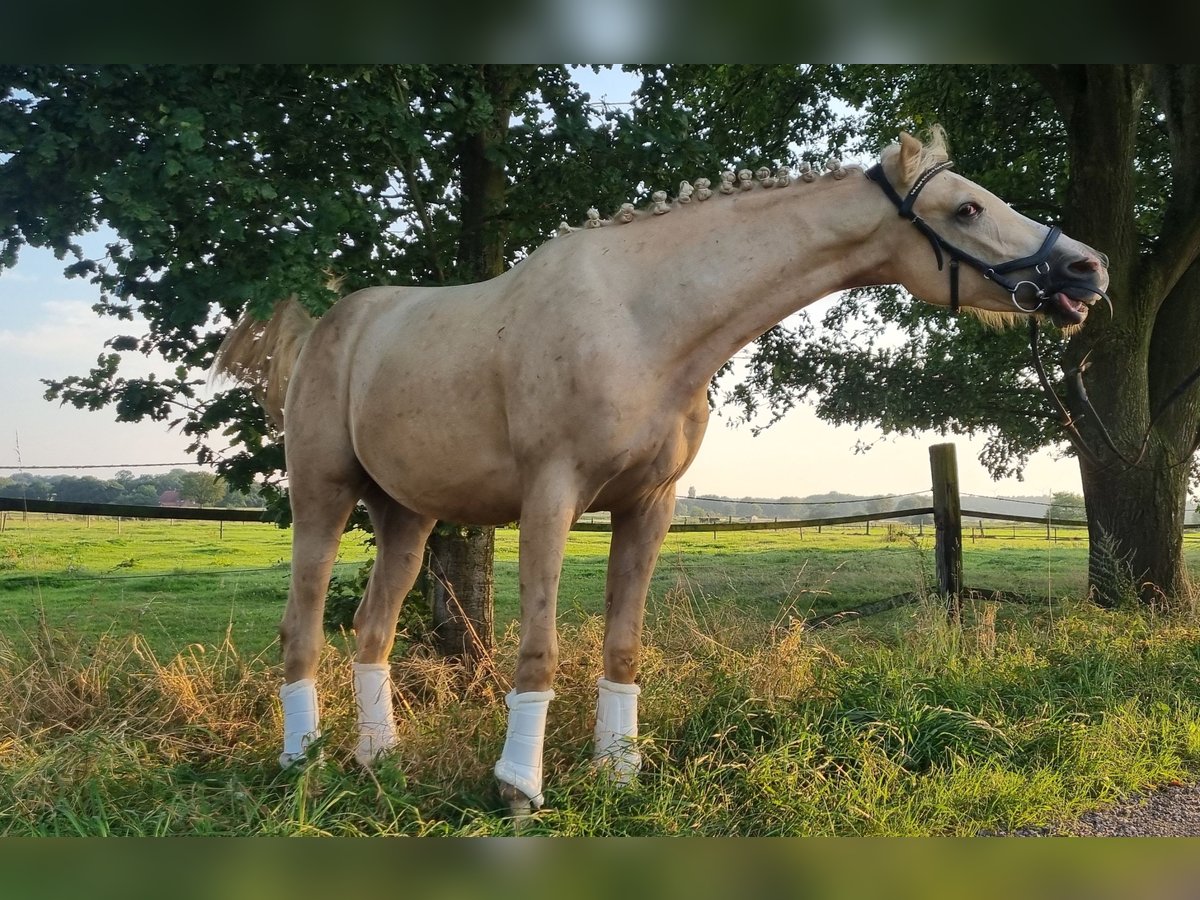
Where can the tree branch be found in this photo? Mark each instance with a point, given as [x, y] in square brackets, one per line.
[407, 166]
[410, 181]
[1062, 83]
[1178, 92]
[1175, 253]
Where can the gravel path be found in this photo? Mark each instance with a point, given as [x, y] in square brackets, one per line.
[1171, 811]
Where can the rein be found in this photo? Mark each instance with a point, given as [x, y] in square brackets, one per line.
[1076, 386]
[999, 272]
[1065, 418]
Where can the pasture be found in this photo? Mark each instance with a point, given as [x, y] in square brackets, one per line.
[138, 673]
[181, 583]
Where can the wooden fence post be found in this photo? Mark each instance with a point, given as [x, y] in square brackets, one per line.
[947, 522]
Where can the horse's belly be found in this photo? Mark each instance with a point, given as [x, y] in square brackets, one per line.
[441, 467]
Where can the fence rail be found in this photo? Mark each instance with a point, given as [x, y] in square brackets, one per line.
[221, 514]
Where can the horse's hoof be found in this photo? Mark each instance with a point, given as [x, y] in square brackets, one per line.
[372, 751]
[520, 806]
[299, 762]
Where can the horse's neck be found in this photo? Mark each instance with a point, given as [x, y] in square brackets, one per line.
[759, 265]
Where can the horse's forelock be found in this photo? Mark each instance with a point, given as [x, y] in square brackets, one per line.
[936, 147]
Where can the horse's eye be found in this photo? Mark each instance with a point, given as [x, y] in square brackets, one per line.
[969, 210]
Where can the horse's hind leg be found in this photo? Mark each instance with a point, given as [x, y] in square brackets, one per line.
[320, 508]
[637, 536]
[400, 536]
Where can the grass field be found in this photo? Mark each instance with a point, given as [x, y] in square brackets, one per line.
[138, 671]
[183, 583]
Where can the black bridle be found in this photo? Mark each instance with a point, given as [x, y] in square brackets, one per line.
[998, 272]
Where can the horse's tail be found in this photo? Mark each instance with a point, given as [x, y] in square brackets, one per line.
[263, 355]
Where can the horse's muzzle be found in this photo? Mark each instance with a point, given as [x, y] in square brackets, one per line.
[1075, 287]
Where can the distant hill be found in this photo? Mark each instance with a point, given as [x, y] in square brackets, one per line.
[1027, 505]
[812, 506]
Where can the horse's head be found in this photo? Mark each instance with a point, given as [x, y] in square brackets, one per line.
[970, 248]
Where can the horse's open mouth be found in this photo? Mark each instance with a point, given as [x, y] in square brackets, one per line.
[1065, 310]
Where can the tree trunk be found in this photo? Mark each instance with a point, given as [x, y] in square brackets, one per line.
[461, 589]
[459, 585]
[1135, 528]
[1135, 494]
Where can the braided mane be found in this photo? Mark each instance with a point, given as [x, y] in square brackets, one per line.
[702, 190]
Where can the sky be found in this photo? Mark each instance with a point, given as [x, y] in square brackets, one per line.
[48, 330]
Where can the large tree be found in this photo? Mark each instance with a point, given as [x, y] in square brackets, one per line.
[1113, 154]
[1118, 151]
[231, 187]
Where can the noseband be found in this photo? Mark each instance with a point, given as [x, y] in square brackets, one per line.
[999, 273]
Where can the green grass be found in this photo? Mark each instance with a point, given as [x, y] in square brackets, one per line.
[181, 583]
[147, 705]
[100, 546]
[907, 727]
[176, 583]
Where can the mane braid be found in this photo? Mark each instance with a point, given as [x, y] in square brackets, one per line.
[701, 191]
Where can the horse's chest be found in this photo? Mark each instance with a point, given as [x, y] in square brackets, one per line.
[656, 454]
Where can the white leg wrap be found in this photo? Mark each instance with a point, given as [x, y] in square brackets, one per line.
[376, 721]
[300, 719]
[617, 729]
[521, 762]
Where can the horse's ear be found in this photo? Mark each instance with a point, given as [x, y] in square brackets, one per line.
[910, 156]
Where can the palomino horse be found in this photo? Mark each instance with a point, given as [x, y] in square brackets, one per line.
[578, 381]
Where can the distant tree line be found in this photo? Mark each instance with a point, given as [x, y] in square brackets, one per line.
[178, 485]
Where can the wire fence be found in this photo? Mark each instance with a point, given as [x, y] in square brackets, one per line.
[811, 571]
[726, 548]
[744, 555]
[819, 572]
[600, 523]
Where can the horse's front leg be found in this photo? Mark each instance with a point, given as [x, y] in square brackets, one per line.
[638, 534]
[547, 512]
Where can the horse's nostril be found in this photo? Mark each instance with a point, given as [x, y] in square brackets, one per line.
[1085, 264]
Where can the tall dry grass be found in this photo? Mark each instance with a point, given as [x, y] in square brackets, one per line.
[904, 724]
